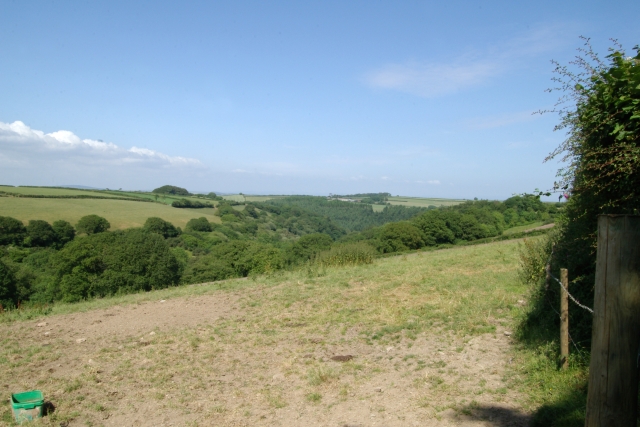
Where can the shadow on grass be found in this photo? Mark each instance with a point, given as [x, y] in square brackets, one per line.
[567, 411]
[498, 416]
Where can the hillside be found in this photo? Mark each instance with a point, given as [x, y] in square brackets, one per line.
[419, 339]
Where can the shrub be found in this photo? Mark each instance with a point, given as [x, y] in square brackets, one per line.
[92, 224]
[161, 227]
[307, 246]
[199, 224]
[12, 231]
[346, 254]
[229, 218]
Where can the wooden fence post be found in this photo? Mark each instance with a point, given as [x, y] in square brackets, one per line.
[612, 399]
[564, 319]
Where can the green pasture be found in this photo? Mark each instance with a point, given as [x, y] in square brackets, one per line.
[423, 202]
[120, 213]
[521, 228]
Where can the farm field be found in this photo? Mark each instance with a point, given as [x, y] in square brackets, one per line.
[413, 340]
[423, 202]
[120, 213]
[58, 191]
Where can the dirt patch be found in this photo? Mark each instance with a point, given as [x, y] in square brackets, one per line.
[215, 360]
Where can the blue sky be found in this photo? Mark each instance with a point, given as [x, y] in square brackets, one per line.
[428, 99]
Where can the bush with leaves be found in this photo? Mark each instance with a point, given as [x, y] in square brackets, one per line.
[92, 224]
[307, 247]
[600, 111]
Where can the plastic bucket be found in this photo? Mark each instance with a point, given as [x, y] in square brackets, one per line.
[27, 405]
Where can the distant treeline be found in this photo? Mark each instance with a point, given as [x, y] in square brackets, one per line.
[42, 262]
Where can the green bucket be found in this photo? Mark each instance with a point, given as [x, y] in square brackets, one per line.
[27, 405]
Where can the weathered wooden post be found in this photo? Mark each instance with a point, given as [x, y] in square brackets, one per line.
[564, 319]
[612, 400]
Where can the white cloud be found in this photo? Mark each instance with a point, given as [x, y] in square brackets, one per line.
[20, 143]
[434, 182]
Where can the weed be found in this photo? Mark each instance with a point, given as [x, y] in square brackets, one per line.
[314, 397]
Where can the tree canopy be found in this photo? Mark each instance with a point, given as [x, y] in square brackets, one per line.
[171, 189]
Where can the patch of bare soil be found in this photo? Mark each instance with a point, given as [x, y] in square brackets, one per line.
[213, 361]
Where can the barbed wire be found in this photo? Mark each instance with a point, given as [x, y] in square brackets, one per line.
[548, 270]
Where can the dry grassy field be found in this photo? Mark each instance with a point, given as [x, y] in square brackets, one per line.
[120, 213]
[413, 340]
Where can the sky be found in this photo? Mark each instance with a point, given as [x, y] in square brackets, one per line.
[414, 98]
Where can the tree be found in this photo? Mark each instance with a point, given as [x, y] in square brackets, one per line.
[64, 232]
[171, 189]
[161, 227]
[40, 233]
[400, 236]
[199, 224]
[12, 231]
[92, 224]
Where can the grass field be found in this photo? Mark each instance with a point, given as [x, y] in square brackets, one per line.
[424, 202]
[420, 339]
[58, 192]
[521, 228]
[120, 213]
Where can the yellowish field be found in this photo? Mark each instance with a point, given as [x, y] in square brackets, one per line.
[424, 202]
[120, 213]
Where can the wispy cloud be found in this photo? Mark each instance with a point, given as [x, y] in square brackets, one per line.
[431, 79]
[491, 122]
[434, 182]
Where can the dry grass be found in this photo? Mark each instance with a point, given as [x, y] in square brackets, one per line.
[425, 333]
[120, 213]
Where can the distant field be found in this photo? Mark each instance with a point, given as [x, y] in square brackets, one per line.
[120, 213]
[424, 202]
[262, 198]
[58, 192]
[240, 198]
[49, 191]
[520, 228]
